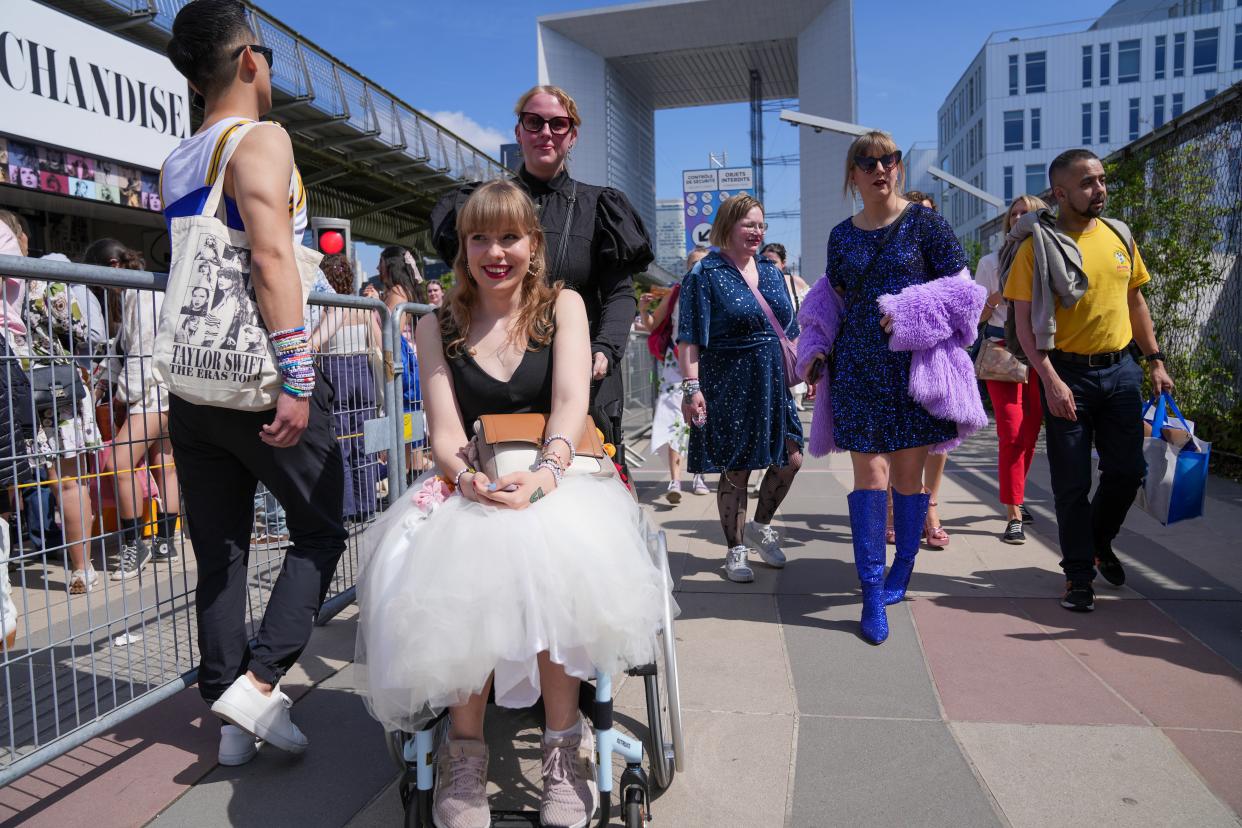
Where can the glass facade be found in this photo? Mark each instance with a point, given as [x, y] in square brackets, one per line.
[1105, 131]
[1086, 123]
[1179, 104]
[1106, 63]
[1013, 74]
[1135, 110]
[1036, 127]
[1179, 54]
[1008, 184]
[1162, 43]
[1087, 63]
[1157, 112]
[1237, 45]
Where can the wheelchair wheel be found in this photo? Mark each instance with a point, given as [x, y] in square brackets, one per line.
[395, 740]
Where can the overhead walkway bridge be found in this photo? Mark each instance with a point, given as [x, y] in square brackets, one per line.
[364, 154]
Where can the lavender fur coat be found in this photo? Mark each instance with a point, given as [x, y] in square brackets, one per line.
[936, 321]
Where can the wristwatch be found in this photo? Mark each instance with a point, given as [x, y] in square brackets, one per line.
[1155, 357]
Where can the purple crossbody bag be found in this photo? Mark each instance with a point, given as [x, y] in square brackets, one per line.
[789, 354]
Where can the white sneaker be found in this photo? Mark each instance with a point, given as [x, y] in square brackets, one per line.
[237, 747]
[736, 567]
[673, 495]
[266, 717]
[82, 581]
[700, 485]
[768, 543]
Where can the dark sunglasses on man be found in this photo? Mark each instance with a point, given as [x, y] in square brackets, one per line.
[258, 50]
[867, 163]
[533, 122]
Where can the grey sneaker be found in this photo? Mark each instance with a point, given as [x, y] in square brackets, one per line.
[736, 567]
[570, 787]
[134, 557]
[767, 542]
[461, 785]
[165, 550]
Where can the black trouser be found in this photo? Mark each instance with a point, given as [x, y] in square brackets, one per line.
[1109, 402]
[219, 458]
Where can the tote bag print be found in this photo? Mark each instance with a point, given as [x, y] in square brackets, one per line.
[212, 347]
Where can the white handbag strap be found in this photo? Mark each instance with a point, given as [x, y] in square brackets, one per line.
[214, 205]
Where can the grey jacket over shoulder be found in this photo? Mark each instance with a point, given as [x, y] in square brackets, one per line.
[1058, 274]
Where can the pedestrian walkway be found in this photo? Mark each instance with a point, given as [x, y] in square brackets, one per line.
[989, 704]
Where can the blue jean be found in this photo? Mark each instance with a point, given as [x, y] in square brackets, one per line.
[1109, 403]
[273, 522]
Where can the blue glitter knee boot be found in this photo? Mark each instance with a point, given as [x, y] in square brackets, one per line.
[909, 513]
[868, 508]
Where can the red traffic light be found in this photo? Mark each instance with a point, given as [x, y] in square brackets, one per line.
[331, 242]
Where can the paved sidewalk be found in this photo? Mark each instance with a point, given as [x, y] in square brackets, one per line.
[989, 704]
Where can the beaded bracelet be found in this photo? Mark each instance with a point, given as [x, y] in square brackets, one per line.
[551, 465]
[690, 387]
[573, 452]
[457, 479]
[293, 358]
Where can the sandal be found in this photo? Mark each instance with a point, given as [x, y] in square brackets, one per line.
[935, 536]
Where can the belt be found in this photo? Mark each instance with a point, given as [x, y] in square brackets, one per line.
[1089, 360]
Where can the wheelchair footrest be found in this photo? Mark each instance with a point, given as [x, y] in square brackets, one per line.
[644, 670]
[515, 819]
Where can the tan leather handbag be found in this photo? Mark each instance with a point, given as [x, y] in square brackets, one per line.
[995, 362]
[507, 443]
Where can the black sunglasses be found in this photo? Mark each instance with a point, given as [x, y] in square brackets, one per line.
[533, 122]
[867, 163]
[258, 50]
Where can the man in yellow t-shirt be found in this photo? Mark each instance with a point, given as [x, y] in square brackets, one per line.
[1092, 385]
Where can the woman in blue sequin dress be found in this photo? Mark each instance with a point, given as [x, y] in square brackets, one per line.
[736, 392]
[889, 246]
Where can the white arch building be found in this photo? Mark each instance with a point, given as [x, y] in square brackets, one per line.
[624, 62]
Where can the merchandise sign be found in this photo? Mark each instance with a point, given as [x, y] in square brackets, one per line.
[72, 85]
[703, 191]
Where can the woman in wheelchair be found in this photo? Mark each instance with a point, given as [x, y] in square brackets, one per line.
[529, 582]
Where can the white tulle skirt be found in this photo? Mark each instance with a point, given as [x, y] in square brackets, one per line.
[447, 598]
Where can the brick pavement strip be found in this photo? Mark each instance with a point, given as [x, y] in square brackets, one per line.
[989, 705]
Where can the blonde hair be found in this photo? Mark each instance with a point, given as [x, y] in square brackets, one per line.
[1032, 203]
[571, 108]
[730, 213]
[500, 205]
[874, 141]
[696, 255]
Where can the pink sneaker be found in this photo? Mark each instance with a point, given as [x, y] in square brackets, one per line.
[461, 785]
[570, 787]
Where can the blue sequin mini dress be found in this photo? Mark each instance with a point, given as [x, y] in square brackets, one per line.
[750, 412]
[871, 405]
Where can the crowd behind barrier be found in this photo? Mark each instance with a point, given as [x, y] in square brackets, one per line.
[81, 663]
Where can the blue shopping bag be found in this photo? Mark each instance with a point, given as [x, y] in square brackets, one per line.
[1175, 488]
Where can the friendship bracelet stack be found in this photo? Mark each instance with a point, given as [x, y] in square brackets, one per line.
[690, 387]
[551, 462]
[294, 360]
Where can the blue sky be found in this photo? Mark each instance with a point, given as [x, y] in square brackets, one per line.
[466, 61]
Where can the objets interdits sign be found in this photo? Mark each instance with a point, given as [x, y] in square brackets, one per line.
[66, 83]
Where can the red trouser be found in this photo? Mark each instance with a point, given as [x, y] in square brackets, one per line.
[1018, 417]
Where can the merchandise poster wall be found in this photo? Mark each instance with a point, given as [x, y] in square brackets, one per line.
[93, 117]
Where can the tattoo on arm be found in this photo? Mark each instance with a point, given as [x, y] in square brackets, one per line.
[537, 495]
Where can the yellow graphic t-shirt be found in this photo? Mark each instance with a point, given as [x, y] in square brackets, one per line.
[1100, 321]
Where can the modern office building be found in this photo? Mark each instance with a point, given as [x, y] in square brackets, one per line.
[919, 157]
[670, 234]
[623, 62]
[1028, 96]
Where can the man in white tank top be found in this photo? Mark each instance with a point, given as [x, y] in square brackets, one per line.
[221, 453]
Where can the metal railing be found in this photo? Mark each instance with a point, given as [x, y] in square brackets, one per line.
[83, 663]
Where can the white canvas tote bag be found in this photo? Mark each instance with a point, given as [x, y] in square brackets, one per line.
[211, 347]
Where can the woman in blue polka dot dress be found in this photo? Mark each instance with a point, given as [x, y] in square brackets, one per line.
[736, 394]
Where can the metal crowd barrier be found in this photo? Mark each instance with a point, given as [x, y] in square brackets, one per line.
[82, 663]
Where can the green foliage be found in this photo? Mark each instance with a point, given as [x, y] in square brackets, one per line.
[1174, 204]
[974, 252]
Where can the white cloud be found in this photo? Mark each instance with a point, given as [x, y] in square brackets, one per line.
[484, 137]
